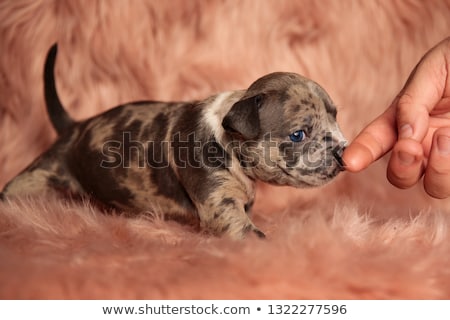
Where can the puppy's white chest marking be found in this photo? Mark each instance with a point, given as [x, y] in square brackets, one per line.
[213, 117]
[218, 107]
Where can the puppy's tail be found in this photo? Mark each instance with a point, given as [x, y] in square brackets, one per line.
[58, 116]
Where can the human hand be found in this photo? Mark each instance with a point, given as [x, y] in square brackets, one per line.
[416, 127]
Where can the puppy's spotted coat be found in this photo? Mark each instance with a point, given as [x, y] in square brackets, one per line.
[197, 158]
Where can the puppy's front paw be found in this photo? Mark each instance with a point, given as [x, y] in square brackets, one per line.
[239, 232]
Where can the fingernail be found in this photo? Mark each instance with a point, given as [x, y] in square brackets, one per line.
[443, 144]
[405, 158]
[406, 131]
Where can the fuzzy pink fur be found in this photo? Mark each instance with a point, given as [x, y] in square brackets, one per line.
[357, 237]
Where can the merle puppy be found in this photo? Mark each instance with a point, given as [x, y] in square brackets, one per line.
[198, 158]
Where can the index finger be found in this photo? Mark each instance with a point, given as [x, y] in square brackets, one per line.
[372, 143]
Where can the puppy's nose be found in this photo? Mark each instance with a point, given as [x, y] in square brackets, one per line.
[337, 154]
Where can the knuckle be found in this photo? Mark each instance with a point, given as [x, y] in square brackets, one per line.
[439, 170]
[401, 176]
[437, 182]
[436, 191]
[404, 103]
[400, 180]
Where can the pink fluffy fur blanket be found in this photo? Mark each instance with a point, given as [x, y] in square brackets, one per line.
[357, 237]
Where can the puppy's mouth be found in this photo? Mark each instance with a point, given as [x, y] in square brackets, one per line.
[286, 172]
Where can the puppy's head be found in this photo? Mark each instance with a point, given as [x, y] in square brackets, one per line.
[286, 130]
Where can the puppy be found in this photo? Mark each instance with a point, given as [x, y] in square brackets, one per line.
[198, 158]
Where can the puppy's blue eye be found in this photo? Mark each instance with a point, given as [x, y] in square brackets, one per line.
[297, 136]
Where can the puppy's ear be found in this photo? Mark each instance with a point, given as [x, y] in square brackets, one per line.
[243, 117]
